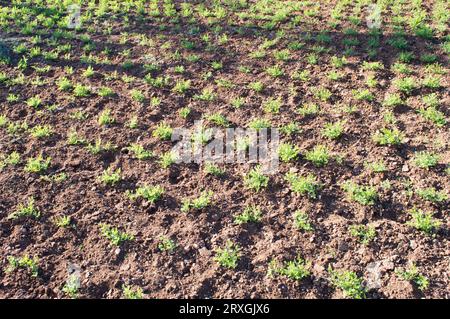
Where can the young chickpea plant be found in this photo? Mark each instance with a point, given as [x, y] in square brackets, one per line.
[256, 180]
[12, 159]
[163, 131]
[167, 159]
[376, 167]
[202, 135]
[110, 176]
[338, 62]
[3, 120]
[105, 118]
[213, 169]
[393, 100]
[372, 66]
[237, 102]
[78, 115]
[303, 76]
[412, 274]
[335, 75]
[272, 106]
[434, 115]
[115, 236]
[387, 136]
[322, 94]
[181, 87]
[363, 95]
[303, 185]
[100, 147]
[424, 221]
[133, 293]
[166, 244]
[41, 131]
[207, 95]
[34, 102]
[105, 92]
[296, 269]
[63, 221]
[89, 72]
[365, 195]
[137, 96]
[251, 214]
[364, 234]
[148, 193]
[55, 178]
[333, 130]
[349, 282]
[402, 68]
[302, 221]
[432, 195]
[132, 123]
[319, 155]
[288, 152]
[81, 91]
[218, 119]
[184, 112]
[25, 211]
[389, 117]
[275, 71]
[228, 256]
[425, 160]
[37, 165]
[258, 124]
[257, 86]
[290, 129]
[139, 152]
[406, 85]
[64, 84]
[31, 264]
[199, 203]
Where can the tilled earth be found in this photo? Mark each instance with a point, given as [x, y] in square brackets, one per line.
[190, 271]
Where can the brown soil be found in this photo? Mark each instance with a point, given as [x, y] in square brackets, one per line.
[190, 271]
